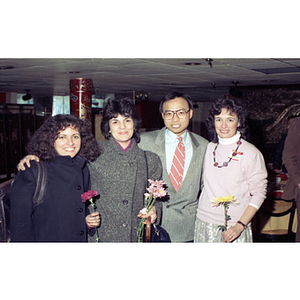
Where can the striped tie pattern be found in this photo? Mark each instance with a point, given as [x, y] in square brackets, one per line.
[176, 172]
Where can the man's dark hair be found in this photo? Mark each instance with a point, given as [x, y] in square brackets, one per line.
[173, 95]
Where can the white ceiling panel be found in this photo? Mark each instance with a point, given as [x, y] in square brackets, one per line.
[154, 76]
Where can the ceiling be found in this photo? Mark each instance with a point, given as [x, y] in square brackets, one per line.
[154, 77]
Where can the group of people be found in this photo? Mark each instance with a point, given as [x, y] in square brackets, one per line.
[226, 167]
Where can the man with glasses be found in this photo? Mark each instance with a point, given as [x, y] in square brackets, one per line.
[179, 212]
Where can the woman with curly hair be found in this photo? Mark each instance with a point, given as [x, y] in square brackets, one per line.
[65, 144]
[234, 171]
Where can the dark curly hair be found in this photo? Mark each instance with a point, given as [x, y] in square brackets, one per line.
[233, 105]
[42, 142]
[125, 107]
[173, 95]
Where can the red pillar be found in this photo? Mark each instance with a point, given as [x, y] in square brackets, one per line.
[2, 97]
[81, 98]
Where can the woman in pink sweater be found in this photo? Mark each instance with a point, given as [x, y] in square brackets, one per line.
[233, 168]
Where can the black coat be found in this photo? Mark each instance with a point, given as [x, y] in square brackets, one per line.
[61, 215]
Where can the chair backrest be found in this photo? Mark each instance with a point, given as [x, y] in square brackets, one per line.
[283, 208]
[275, 209]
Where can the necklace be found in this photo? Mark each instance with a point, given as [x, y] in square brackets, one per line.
[234, 153]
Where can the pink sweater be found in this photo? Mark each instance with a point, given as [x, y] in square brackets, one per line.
[245, 177]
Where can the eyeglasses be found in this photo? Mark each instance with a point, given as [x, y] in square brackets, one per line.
[181, 114]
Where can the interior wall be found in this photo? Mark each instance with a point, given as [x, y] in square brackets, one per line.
[200, 112]
[269, 109]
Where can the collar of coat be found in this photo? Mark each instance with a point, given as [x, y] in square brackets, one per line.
[68, 160]
[112, 147]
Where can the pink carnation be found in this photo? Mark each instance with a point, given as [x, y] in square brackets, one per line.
[88, 195]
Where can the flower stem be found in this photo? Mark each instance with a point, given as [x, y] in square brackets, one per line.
[225, 213]
[140, 231]
[92, 211]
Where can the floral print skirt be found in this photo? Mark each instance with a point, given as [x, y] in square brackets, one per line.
[210, 233]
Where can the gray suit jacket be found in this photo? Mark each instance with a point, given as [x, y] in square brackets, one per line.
[179, 212]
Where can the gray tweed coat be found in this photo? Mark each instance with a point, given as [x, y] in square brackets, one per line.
[121, 180]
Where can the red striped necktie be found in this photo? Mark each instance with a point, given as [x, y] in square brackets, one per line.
[176, 172]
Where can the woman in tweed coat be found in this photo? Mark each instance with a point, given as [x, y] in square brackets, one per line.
[120, 174]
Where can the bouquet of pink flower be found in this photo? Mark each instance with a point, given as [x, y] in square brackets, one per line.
[89, 196]
[155, 190]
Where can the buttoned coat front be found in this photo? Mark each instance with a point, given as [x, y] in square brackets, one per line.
[179, 212]
[121, 180]
[61, 215]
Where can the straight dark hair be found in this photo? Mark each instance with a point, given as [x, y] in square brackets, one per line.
[173, 95]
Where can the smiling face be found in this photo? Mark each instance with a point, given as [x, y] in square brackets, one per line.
[226, 123]
[68, 142]
[176, 124]
[122, 129]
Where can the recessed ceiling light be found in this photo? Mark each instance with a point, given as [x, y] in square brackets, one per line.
[193, 64]
[6, 67]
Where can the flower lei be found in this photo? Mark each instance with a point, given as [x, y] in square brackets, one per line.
[155, 190]
[225, 201]
[89, 196]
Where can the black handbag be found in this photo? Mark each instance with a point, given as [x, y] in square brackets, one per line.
[5, 189]
[155, 233]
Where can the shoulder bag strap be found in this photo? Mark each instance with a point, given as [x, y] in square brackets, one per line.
[148, 221]
[41, 184]
[146, 163]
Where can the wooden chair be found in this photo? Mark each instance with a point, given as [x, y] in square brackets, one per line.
[275, 208]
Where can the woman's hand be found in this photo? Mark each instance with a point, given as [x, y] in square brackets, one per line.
[232, 233]
[93, 220]
[151, 213]
[26, 160]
